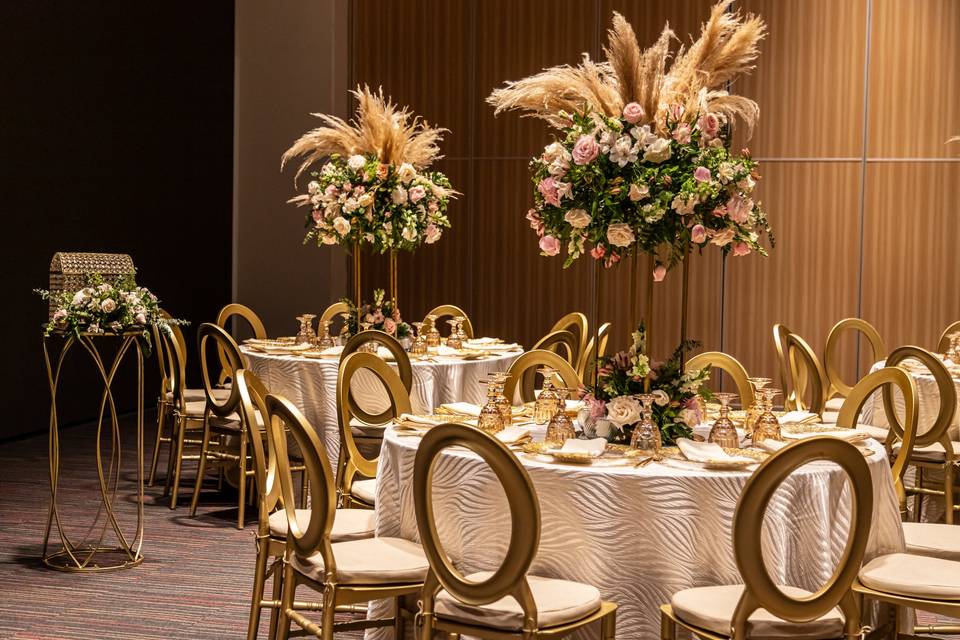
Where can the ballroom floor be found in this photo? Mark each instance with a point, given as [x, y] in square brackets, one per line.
[194, 583]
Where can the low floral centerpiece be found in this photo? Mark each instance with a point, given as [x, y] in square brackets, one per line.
[612, 407]
[381, 315]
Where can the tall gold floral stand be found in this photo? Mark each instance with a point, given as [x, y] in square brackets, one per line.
[96, 551]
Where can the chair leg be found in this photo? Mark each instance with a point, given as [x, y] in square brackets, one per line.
[303, 489]
[608, 626]
[918, 497]
[278, 576]
[397, 618]
[668, 628]
[328, 615]
[286, 601]
[259, 578]
[201, 466]
[177, 456]
[948, 501]
[161, 413]
[242, 481]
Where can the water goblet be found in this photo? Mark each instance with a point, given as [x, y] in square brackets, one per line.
[506, 406]
[325, 340]
[546, 403]
[767, 427]
[370, 346]
[646, 434]
[345, 329]
[461, 334]
[419, 346]
[724, 431]
[753, 413]
[433, 334]
[453, 340]
[560, 428]
[490, 420]
[304, 334]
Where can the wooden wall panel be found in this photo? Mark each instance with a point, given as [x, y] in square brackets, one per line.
[910, 250]
[809, 80]
[914, 78]
[648, 18]
[810, 280]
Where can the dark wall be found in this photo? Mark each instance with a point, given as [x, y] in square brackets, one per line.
[116, 135]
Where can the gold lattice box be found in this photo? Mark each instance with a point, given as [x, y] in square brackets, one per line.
[69, 271]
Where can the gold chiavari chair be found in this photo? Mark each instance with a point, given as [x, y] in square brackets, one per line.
[729, 365]
[944, 342]
[250, 317]
[836, 386]
[452, 311]
[759, 607]
[352, 461]
[561, 342]
[404, 370]
[506, 603]
[523, 373]
[588, 360]
[349, 524]
[800, 371]
[333, 312]
[576, 323]
[346, 573]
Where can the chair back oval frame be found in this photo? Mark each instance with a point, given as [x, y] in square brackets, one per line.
[523, 373]
[729, 365]
[450, 310]
[559, 338]
[251, 318]
[404, 369]
[877, 346]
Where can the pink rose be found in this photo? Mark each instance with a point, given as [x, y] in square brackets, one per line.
[549, 245]
[702, 174]
[633, 112]
[598, 252]
[317, 215]
[432, 233]
[722, 238]
[739, 209]
[682, 133]
[709, 125]
[740, 249]
[720, 211]
[331, 190]
[389, 326]
[548, 189]
[433, 206]
[585, 150]
[698, 234]
[659, 273]
[416, 194]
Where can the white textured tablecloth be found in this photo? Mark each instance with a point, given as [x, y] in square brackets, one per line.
[638, 535]
[311, 384]
[929, 395]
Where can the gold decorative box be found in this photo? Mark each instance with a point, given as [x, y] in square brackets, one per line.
[69, 271]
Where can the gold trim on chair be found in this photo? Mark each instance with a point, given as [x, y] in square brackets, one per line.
[404, 369]
[729, 365]
[449, 310]
[943, 344]
[800, 369]
[523, 373]
[252, 319]
[588, 359]
[351, 460]
[877, 346]
[510, 579]
[559, 338]
[576, 323]
[759, 591]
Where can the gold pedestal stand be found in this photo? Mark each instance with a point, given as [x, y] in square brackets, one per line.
[82, 556]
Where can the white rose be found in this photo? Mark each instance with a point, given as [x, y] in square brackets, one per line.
[406, 173]
[398, 195]
[577, 218]
[365, 200]
[409, 234]
[108, 305]
[623, 410]
[658, 151]
[725, 172]
[356, 162]
[328, 239]
[79, 297]
[620, 234]
[555, 151]
[351, 205]
[313, 187]
[341, 225]
[661, 398]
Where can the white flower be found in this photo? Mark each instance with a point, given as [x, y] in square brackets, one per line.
[356, 162]
[623, 410]
[747, 184]
[620, 234]
[644, 136]
[326, 238]
[661, 398]
[409, 233]
[398, 195]
[725, 172]
[351, 205]
[558, 168]
[313, 187]
[684, 206]
[555, 151]
[564, 189]
[406, 173]
[108, 305]
[141, 318]
[79, 297]
[623, 151]
[651, 213]
[341, 225]
[94, 328]
[690, 417]
[607, 139]
[577, 218]
[658, 151]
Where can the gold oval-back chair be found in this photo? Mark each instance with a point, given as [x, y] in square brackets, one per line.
[588, 359]
[944, 342]
[333, 312]
[235, 310]
[404, 370]
[837, 387]
[703, 610]
[561, 342]
[474, 605]
[729, 365]
[523, 373]
[800, 372]
[577, 324]
[452, 311]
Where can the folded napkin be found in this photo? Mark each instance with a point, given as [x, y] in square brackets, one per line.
[332, 351]
[707, 452]
[462, 408]
[498, 346]
[850, 435]
[426, 421]
[483, 341]
[798, 417]
[772, 445]
[512, 435]
[593, 447]
[443, 350]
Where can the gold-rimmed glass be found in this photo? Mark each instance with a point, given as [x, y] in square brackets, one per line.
[505, 404]
[490, 420]
[345, 329]
[325, 340]
[756, 409]
[767, 427]
[306, 333]
[453, 340]
[546, 403]
[461, 334]
[433, 334]
[646, 434]
[560, 428]
[724, 431]
[372, 345]
[419, 346]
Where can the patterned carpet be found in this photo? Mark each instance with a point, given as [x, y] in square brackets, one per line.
[195, 582]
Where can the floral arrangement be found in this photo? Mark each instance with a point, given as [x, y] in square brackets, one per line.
[374, 188]
[612, 408]
[105, 308]
[382, 315]
[642, 160]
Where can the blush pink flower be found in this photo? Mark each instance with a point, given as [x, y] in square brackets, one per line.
[598, 252]
[698, 234]
[389, 326]
[548, 189]
[720, 211]
[549, 245]
[709, 125]
[585, 150]
[722, 238]
[317, 215]
[676, 111]
[659, 273]
[416, 194]
[331, 190]
[432, 233]
[682, 133]
[633, 112]
[739, 209]
[702, 174]
[740, 249]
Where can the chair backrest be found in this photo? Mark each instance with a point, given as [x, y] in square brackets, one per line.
[588, 359]
[907, 432]
[947, 392]
[234, 362]
[352, 461]
[400, 356]
[283, 416]
[760, 590]
[332, 313]
[877, 346]
[729, 365]
[560, 342]
[510, 578]
[451, 311]
[253, 402]
[800, 370]
[246, 313]
[944, 342]
[163, 362]
[523, 372]
[577, 324]
[172, 345]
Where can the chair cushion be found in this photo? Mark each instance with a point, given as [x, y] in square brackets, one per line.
[189, 395]
[712, 608]
[829, 417]
[834, 404]
[349, 524]
[935, 540]
[365, 490]
[914, 576]
[932, 452]
[558, 602]
[370, 561]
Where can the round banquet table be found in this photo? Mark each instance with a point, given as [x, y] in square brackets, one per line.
[637, 534]
[311, 384]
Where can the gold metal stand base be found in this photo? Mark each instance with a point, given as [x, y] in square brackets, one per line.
[61, 560]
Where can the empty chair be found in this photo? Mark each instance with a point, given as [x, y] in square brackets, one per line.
[588, 359]
[451, 311]
[561, 342]
[576, 323]
[837, 387]
[333, 312]
[507, 602]
[404, 370]
[524, 369]
[729, 365]
[800, 372]
[235, 310]
[944, 342]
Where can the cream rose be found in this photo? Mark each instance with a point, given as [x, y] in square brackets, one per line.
[661, 398]
[638, 192]
[406, 173]
[620, 234]
[341, 225]
[108, 305]
[658, 151]
[577, 218]
[356, 162]
[398, 195]
[623, 410]
[365, 200]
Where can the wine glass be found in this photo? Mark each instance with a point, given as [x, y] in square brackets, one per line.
[490, 420]
[345, 329]
[767, 427]
[953, 353]
[305, 334]
[646, 434]
[546, 403]
[461, 334]
[724, 431]
[753, 413]
[505, 403]
[419, 346]
[433, 334]
[325, 340]
[560, 429]
[453, 340]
